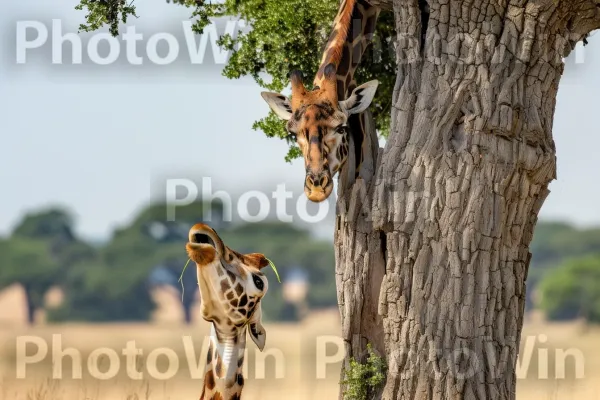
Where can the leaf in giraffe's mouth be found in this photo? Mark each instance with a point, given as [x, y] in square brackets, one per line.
[274, 270]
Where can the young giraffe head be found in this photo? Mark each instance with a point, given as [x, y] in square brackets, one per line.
[319, 123]
[231, 288]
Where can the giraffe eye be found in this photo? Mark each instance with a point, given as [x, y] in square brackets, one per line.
[292, 136]
[260, 285]
[340, 129]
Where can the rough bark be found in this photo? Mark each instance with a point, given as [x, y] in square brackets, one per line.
[432, 240]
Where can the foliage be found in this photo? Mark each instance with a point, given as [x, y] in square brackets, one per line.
[573, 291]
[115, 285]
[102, 12]
[40, 251]
[281, 39]
[362, 379]
[47, 223]
[111, 282]
[27, 261]
[554, 240]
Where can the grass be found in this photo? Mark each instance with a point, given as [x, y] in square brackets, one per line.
[295, 344]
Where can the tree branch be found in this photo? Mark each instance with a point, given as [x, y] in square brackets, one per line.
[585, 19]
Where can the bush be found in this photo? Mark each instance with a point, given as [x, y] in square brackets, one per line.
[573, 291]
[362, 379]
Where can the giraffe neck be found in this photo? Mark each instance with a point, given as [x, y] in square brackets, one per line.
[223, 379]
[352, 32]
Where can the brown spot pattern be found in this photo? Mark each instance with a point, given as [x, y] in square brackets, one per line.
[239, 289]
[209, 380]
[219, 368]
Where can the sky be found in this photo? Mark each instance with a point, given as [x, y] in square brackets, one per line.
[103, 139]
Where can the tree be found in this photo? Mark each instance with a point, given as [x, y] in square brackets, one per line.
[553, 244]
[55, 226]
[29, 263]
[573, 291]
[437, 235]
[39, 253]
[49, 223]
[432, 239]
[116, 284]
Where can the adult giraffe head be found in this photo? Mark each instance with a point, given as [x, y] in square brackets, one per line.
[319, 123]
[231, 288]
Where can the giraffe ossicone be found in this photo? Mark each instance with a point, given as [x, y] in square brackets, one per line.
[231, 289]
[322, 119]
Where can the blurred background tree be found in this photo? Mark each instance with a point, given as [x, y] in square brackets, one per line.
[553, 244]
[117, 284]
[29, 263]
[573, 290]
[40, 253]
[114, 281]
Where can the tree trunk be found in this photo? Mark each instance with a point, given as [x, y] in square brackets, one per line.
[432, 240]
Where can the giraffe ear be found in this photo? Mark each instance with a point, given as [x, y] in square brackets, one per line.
[258, 259]
[256, 329]
[279, 104]
[360, 98]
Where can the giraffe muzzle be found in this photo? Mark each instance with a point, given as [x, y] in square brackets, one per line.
[318, 187]
[204, 245]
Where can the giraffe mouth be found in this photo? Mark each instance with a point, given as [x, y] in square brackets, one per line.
[202, 249]
[201, 254]
[318, 195]
[202, 238]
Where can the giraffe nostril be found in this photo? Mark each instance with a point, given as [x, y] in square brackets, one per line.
[317, 181]
[324, 181]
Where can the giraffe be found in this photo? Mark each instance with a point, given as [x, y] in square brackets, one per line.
[231, 288]
[321, 119]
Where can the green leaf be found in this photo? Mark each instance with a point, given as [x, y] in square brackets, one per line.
[274, 270]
